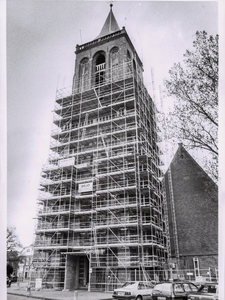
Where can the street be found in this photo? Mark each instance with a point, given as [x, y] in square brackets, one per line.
[80, 297]
[16, 297]
[14, 292]
[20, 294]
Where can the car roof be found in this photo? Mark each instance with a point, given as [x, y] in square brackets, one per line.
[138, 281]
[209, 283]
[176, 281]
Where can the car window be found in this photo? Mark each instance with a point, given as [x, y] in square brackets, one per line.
[193, 287]
[178, 288]
[188, 287]
[212, 289]
[145, 285]
[149, 285]
[164, 287]
[141, 286]
[128, 283]
[209, 289]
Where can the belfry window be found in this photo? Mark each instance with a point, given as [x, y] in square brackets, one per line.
[84, 69]
[114, 60]
[100, 69]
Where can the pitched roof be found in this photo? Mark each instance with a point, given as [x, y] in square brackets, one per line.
[182, 151]
[110, 24]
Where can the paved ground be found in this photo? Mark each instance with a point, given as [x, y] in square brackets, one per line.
[50, 294]
[17, 297]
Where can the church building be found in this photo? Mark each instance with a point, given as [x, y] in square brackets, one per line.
[101, 213]
[192, 206]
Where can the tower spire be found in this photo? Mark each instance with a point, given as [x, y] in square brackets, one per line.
[110, 24]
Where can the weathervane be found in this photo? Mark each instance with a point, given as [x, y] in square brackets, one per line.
[111, 3]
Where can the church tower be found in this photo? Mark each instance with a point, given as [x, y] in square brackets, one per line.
[101, 220]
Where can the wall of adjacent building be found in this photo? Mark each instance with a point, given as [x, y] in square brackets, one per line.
[196, 211]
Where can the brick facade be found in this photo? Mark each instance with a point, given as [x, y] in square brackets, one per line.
[196, 212]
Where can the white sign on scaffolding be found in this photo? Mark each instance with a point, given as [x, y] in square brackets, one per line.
[38, 283]
[66, 162]
[80, 166]
[85, 187]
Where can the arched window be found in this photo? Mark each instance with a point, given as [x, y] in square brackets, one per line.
[128, 55]
[114, 56]
[114, 61]
[99, 68]
[128, 63]
[84, 73]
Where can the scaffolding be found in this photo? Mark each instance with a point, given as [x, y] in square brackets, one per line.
[100, 219]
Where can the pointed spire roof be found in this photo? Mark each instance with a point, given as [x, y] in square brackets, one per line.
[110, 24]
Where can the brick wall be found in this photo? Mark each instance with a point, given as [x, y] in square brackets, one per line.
[105, 46]
[196, 210]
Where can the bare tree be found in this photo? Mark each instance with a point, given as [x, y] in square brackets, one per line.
[13, 246]
[194, 87]
[12, 241]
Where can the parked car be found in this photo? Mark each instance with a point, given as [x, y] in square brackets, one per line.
[173, 290]
[8, 281]
[207, 291]
[136, 290]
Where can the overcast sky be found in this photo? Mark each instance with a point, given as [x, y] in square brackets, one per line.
[41, 40]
